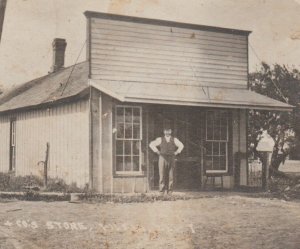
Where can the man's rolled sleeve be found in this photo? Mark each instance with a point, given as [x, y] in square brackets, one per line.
[154, 144]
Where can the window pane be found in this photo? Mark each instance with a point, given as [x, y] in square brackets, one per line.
[222, 148]
[119, 147]
[216, 149]
[217, 132]
[128, 130]
[120, 115]
[119, 162]
[136, 131]
[127, 147]
[128, 115]
[128, 125]
[216, 163]
[120, 130]
[136, 163]
[136, 148]
[208, 163]
[222, 163]
[136, 115]
[128, 163]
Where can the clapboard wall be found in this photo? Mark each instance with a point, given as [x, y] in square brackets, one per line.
[65, 127]
[134, 49]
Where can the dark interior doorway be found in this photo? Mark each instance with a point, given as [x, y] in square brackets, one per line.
[187, 125]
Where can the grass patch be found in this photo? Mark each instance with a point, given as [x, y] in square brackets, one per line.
[11, 183]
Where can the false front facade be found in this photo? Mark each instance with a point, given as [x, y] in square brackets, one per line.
[140, 75]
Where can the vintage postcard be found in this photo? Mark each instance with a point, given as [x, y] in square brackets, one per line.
[149, 124]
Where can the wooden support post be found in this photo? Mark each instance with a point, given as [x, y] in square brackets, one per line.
[266, 167]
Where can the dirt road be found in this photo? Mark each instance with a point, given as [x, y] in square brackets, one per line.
[209, 223]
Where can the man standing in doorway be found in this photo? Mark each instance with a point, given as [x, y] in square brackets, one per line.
[170, 147]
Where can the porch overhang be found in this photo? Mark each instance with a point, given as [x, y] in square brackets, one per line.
[188, 95]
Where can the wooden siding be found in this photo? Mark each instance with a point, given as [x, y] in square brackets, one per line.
[129, 51]
[107, 154]
[65, 127]
[4, 143]
[130, 185]
[96, 141]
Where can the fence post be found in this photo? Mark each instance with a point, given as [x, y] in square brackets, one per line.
[266, 155]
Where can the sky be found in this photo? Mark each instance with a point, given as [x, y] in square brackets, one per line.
[31, 25]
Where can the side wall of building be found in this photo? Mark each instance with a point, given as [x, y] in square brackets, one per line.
[64, 127]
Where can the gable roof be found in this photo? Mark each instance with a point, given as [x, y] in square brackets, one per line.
[65, 83]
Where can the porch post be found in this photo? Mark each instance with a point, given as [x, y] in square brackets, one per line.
[150, 131]
[147, 149]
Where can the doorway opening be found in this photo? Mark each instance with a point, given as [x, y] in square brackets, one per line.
[187, 125]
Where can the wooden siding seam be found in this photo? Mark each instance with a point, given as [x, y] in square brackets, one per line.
[191, 57]
[227, 66]
[176, 43]
[139, 33]
[112, 75]
[181, 73]
[154, 52]
[169, 49]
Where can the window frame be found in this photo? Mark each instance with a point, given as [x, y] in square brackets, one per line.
[131, 172]
[219, 141]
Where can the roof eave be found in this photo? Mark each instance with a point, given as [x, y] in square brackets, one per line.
[207, 104]
[81, 95]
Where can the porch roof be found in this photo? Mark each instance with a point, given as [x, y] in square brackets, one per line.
[188, 95]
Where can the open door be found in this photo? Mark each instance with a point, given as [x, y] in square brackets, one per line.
[187, 126]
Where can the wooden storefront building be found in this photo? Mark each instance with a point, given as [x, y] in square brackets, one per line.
[99, 116]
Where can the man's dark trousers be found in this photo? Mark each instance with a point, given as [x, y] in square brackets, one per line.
[166, 164]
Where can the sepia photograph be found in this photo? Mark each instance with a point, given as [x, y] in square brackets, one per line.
[142, 124]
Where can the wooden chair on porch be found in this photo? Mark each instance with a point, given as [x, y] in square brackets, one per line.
[212, 178]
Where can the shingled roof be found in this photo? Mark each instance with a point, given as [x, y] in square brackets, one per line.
[57, 86]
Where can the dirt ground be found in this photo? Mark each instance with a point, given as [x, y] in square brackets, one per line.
[218, 222]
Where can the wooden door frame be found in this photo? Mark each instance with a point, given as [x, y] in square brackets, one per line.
[152, 130]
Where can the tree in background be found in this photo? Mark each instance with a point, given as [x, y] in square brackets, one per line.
[281, 83]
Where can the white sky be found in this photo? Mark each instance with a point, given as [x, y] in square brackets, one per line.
[31, 25]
